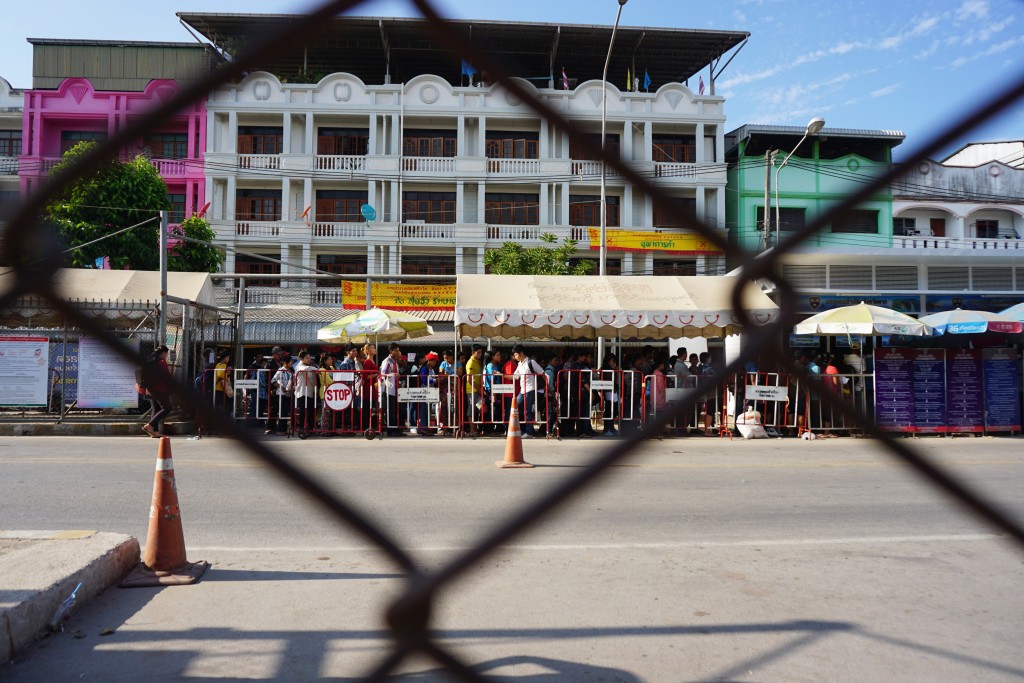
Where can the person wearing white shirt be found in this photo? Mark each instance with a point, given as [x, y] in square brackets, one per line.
[526, 376]
[305, 392]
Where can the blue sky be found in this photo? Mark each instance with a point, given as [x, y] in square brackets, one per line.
[909, 65]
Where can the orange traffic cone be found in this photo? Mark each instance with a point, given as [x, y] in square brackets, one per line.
[513, 443]
[164, 562]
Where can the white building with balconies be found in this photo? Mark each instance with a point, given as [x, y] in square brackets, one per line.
[452, 165]
[12, 103]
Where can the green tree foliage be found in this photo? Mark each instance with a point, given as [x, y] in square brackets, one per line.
[110, 198]
[515, 259]
[113, 197]
[192, 256]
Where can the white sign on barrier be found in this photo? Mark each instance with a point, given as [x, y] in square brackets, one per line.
[247, 384]
[673, 395]
[338, 396]
[418, 394]
[602, 385]
[503, 388]
[757, 392]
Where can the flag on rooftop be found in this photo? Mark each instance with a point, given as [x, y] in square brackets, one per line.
[629, 80]
[468, 70]
[647, 80]
[565, 80]
[700, 86]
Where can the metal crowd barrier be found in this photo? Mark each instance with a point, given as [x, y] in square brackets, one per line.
[705, 414]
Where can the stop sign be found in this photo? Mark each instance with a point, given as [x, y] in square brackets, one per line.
[338, 396]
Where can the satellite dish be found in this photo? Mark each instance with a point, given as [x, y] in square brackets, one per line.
[369, 213]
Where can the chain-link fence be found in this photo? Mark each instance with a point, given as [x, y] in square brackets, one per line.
[31, 250]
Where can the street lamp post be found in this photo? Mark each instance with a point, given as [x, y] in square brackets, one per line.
[603, 253]
[814, 126]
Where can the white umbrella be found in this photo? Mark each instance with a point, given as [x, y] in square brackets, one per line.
[862, 319]
[380, 324]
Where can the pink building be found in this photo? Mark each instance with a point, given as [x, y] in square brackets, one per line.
[92, 89]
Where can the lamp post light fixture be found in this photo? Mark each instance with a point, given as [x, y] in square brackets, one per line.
[603, 253]
[814, 127]
[604, 124]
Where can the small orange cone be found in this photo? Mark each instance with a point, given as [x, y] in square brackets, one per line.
[513, 443]
[164, 562]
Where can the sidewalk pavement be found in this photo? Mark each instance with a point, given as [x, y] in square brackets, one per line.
[39, 570]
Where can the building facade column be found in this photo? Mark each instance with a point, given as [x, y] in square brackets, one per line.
[460, 201]
[232, 132]
[230, 200]
[286, 133]
[699, 143]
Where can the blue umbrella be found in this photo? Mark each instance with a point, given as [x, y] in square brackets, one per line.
[962, 321]
[1015, 312]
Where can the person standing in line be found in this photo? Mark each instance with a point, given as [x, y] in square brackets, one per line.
[305, 392]
[446, 391]
[369, 388]
[223, 386]
[526, 375]
[158, 382]
[283, 385]
[428, 378]
[474, 380]
[551, 369]
[679, 369]
[326, 378]
[389, 371]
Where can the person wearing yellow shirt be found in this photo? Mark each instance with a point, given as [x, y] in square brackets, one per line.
[475, 387]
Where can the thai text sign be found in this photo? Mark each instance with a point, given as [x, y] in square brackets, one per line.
[670, 242]
[399, 297]
[417, 394]
[24, 370]
[759, 392]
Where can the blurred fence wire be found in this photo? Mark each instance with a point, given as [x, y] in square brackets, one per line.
[32, 251]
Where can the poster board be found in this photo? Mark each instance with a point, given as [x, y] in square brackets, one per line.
[1002, 390]
[24, 371]
[894, 389]
[964, 391]
[105, 379]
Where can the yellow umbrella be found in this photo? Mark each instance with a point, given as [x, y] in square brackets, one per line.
[378, 324]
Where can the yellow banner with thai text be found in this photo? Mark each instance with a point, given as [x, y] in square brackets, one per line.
[669, 242]
[399, 297]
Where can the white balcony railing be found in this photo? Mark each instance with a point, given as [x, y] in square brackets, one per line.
[513, 166]
[169, 168]
[429, 231]
[8, 165]
[258, 228]
[664, 169]
[340, 163]
[973, 243]
[429, 164]
[356, 230]
[590, 168]
[259, 161]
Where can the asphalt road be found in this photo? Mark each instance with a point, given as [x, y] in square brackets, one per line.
[695, 559]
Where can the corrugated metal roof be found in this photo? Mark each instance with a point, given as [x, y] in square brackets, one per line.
[749, 129]
[356, 45]
[323, 315]
[300, 333]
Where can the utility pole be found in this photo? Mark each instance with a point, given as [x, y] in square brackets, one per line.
[766, 213]
[162, 332]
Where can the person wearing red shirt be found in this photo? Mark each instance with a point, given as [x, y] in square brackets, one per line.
[369, 386]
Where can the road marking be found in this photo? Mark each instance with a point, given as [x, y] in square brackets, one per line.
[851, 540]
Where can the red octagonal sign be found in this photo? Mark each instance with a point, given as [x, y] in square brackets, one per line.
[338, 396]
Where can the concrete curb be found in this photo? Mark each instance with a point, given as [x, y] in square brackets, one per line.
[40, 569]
[89, 429]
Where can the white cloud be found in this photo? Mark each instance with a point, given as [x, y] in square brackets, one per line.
[976, 9]
[743, 79]
[992, 50]
[739, 16]
[985, 33]
[887, 90]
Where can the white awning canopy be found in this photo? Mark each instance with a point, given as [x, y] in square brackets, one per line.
[587, 307]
